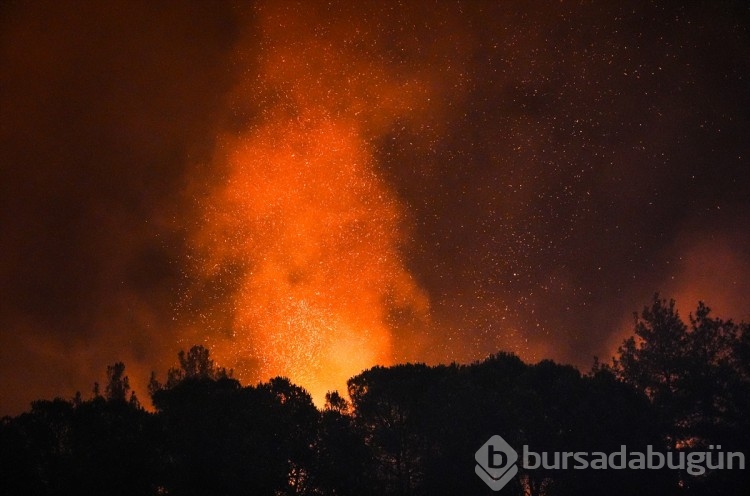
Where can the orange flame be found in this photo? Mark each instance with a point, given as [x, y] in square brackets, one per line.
[303, 221]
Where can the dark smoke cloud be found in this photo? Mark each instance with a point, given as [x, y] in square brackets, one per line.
[598, 145]
[104, 108]
[570, 161]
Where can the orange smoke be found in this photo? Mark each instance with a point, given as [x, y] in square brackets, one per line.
[712, 269]
[303, 223]
[709, 266]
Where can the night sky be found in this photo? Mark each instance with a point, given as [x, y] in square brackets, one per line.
[313, 188]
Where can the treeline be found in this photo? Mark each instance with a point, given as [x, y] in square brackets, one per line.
[405, 430]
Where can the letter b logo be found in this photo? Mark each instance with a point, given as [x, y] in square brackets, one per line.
[497, 458]
[496, 462]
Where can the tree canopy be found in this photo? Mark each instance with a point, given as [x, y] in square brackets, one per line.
[408, 429]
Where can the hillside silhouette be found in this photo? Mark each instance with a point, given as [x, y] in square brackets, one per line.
[408, 429]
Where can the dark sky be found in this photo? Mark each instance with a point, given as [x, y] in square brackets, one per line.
[313, 189]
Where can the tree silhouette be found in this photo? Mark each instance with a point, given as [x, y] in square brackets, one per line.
[695, 377]
[408, 429]
[343, 463]
[655, 361]
[194, 365]
[103, 445]
[222, 438]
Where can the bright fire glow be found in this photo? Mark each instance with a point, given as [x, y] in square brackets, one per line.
[302, 221]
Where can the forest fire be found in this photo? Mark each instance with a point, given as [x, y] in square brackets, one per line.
[440, 212]
[310, 230]
[312, 188]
